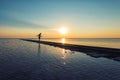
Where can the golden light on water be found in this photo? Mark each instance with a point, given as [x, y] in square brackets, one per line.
[63, 56]
[63, 40]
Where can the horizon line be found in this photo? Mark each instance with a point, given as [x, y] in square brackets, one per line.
[60, 38]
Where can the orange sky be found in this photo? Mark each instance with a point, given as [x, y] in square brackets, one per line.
[54, 33]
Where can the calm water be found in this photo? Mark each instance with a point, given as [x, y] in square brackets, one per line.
[112, 43]
[22, 60]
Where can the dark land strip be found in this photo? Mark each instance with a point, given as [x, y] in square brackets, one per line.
[111, 53]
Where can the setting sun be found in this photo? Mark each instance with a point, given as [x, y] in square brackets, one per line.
[63, 30]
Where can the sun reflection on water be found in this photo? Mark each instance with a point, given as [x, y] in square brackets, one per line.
[66, 54]
[63, 56]
[63, 53]
[63, 40]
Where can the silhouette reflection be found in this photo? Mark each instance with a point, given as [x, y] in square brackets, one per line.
[39, 49]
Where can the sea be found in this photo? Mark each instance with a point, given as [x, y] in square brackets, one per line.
[23, 60]
[100, 42]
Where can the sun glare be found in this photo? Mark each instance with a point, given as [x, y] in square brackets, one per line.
[63, 40]
[63, 30]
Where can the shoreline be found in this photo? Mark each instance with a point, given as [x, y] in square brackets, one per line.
[80, 48]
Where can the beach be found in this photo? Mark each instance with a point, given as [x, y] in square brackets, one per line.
[25, 60]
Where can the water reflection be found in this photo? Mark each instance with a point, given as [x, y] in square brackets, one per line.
[110, 53]
[113, 56]
[63, 40]
[90, 53]
[65, 54]
[39, 49]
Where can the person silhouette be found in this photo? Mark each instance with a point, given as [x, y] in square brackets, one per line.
[39, 36]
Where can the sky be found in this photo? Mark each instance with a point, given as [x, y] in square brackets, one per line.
[82, 18]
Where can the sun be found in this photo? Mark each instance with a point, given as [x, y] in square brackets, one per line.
[63, 30]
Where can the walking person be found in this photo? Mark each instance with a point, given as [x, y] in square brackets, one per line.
[39, 36]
